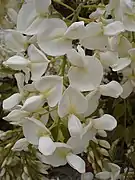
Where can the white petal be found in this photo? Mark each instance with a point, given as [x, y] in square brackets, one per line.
[38, 25]
[74, 125]
[106, 122]
[93, 102]
[75, 30]
[32, 130]
[121, 45]
[15, 41]
[26, 16]
[105, 175]
[16, 115]
[52, 87]
[121, 64]
[108, 58]
[16, 62]
[20, 81]
[33, 103]
[127, 89]
[72, 102]
[37, 70]
[55, 45]
[76, 162]
[99, 42]
[42, 6]
[52, 40]
[112, 89]
[87, 78]
[129, 22]
[35, 55]
[114, 28]
[78, 144]
[115, 169]
[93, 29]
[20, 145]
[75, 58]
[12, 101]
[87, 176]
[46, 146]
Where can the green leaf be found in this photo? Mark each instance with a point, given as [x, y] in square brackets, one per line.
[119, 110]
[133, 159]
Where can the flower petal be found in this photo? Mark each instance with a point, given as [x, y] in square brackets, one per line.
[26, 16]
[75, 58]
[112, 89]
[121, 64]
[114, 28]
[39, 62]
[46, 146]
[52, 87]
[87, 78]
[75, 30]
[32, 129]
[42, 6]
[72, 102]
[15, 41]
[106, 122]
[93, 102]
[20, 145]
[76, 162]
[16, 115]
[33, 103]
[74, 125]
[99, 42]
[16, 62]
[12, 101]
[105, 175]
[127, 89]
[52, 40]
[87, 176]
[108, 58]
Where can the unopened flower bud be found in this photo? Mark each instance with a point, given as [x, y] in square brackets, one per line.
[104, 144]
[2, 172]
[103, 151]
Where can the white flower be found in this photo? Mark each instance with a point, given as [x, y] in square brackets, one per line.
[86, 72]
[96, 35]
[50, 90]
[123, 11]
[21, 145]
[112, 172]
[16, 98]
[121, 45]
[112, 89]
[15, 41]
[111, 59]
[56, 40]
[36, 63]
[72, 102]
[31, 18]
[63, 155]
[37, 134]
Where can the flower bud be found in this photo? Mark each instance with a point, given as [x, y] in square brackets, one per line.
[104, 144]
[2, 172]
[103, 151]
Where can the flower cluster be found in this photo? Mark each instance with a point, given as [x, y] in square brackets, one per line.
[60, 85]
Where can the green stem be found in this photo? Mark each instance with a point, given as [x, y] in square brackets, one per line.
[63, 65]
[77, 12]
[63, 4]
